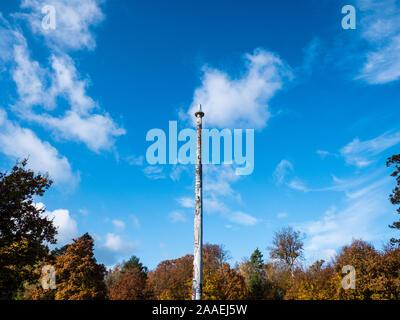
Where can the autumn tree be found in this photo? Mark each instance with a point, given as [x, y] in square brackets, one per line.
[318, 282]
[172, 279]
[395, 196]
[24, 231]
[220, 281]
[387, 286]
[376, 273]
[78, 275]
[287, 247]
[130, 281]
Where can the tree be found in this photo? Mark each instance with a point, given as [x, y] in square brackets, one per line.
[24, 230]
[316, 283]
[256, 283]
[287, 247]
[130, 281]
[78, 275]
[256, 259]
[395, 196]
[134, 264]
[220, 281]
[172, 279]
[377, 273]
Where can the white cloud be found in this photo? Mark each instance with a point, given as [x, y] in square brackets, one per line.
[381, 29]
[29, 77]
[19, 143]
[242, 218]
[243, 101]
[213, 203]
[118, 224]
[176, 216]
[74, 19]
[186, 202]
[361, 153]
[218, 179]
[282, 170]
[67, 226]
[115, 243]
[97, 131]
[65, 81]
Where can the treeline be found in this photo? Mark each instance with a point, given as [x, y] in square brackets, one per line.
[80, 277]
[359, 271]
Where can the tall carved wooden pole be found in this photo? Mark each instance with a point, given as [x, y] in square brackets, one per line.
[197, 288]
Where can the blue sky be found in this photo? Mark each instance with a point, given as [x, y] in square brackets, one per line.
[79, 100]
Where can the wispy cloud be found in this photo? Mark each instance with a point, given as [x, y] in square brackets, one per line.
[186, 202]
[242, 218]
[297, 184]
[381, 30]
[118, 224]
[361, 153]
[282, 215]
[282, 170]
[176, 216]
[284, 174]
[355, 217]
[324, 154]
[135, 221]
[135, 161]
[177, 170]
[311, 55]
[154, 172]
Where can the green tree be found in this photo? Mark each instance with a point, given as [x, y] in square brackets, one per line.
[256, 259]
[256, 283]
[395, 196]
[24, 230]
[134, 264]
[287, 247]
